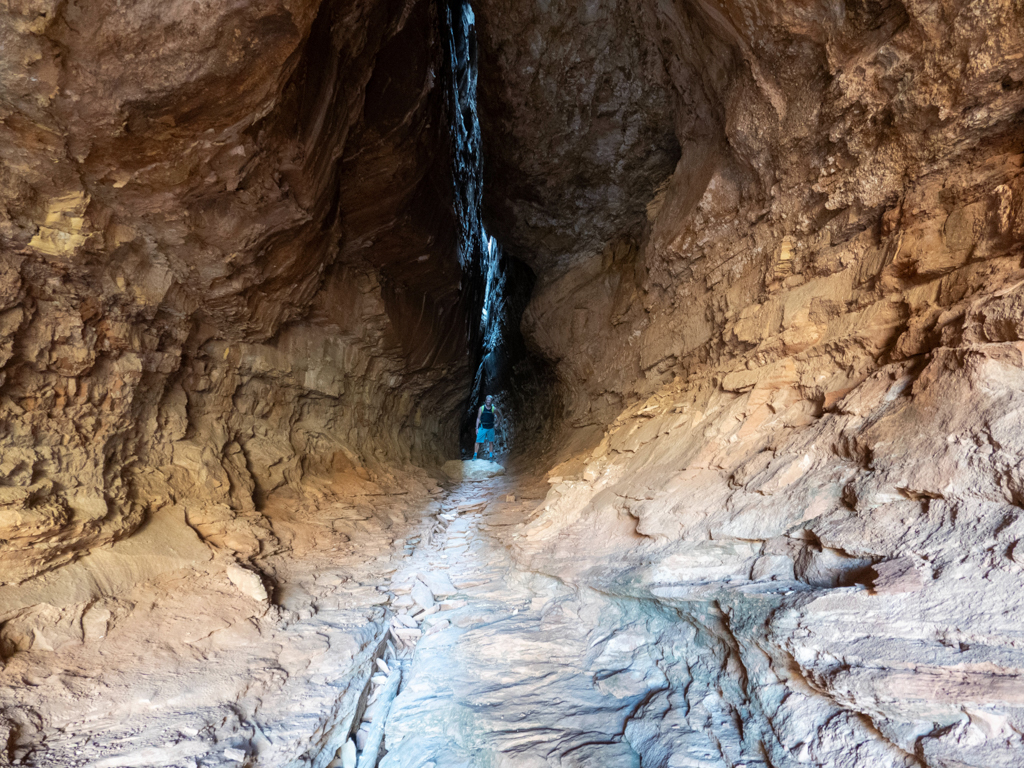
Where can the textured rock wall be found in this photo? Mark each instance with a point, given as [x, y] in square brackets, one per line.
[497, 286]
[777, 250]
[790, 381]
[226, 247]
[576, 111]
[803, 134]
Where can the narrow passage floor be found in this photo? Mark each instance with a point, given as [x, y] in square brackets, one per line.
[504, 667]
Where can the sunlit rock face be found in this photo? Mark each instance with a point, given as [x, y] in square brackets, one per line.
[228, 246]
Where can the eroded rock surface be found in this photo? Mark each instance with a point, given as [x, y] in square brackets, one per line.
[206, 662]
[224, 253]
[810, 467]
[776, 519]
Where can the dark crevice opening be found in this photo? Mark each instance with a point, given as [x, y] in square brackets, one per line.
[495, 287]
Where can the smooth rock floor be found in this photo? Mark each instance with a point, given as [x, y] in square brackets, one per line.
[514, 668]
[511, 667]
[502, 666]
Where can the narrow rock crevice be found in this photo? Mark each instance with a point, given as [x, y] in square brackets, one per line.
[744, 277]
[497, 287]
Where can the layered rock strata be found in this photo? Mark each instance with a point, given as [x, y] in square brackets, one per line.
[790, 385]
[209, 662]
[227, 247]
[777, 251]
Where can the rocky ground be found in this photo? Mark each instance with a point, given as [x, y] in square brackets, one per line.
[240, 669]
[515, 667]
[757, 313]
[518, 641]
[209, 662]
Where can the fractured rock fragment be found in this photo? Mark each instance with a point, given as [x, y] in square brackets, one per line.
[422, 595]
[248, 583]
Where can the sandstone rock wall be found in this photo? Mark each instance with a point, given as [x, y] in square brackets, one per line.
[777, 250]
[226, 247]
[810, 141]
[789, 382]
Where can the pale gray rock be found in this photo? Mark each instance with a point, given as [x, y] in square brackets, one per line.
[348, 754]
[471, 471]
[248, 583]
[438, 582]
[422, 595]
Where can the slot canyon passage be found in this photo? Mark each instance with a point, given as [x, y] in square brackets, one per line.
[744, 276]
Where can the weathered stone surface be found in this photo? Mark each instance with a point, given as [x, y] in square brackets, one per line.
[189, 653]
[778, 278]
[206, 286]
[163, 544]
[784, 232]
[422, 595]
[439, 584]
[785, 381]
[472, 471]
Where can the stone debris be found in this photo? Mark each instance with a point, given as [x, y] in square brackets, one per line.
[374, 738]
[437, 627]
[438, 583]
[361, 736]
[422, 595]
[248, 583]
[403, 601]
[346, 756]
[406, 636]
[469, 583]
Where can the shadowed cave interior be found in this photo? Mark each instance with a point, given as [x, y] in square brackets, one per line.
[744, 277]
